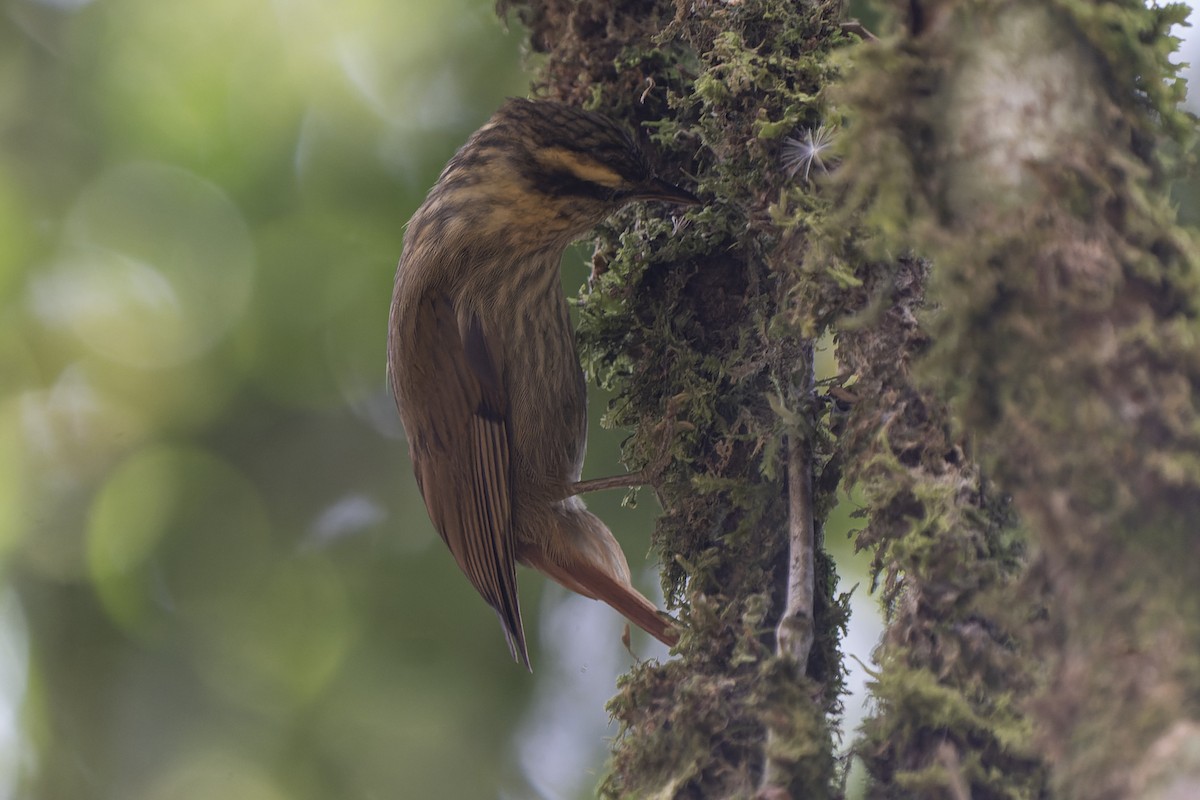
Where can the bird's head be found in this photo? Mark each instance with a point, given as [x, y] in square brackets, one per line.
[546, 171]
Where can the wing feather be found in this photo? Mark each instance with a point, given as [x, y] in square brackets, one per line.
[458, 427]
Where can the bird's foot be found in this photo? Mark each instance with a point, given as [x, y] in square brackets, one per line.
[650, 474]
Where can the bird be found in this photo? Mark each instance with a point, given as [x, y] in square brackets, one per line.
[482, 362]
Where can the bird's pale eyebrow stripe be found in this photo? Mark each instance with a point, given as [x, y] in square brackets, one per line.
[586, 170]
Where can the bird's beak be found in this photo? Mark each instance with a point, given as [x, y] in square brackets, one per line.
[658, 189]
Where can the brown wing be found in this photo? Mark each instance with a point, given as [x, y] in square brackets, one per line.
[458, 430]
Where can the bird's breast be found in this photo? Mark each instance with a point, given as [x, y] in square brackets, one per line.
[547, 394]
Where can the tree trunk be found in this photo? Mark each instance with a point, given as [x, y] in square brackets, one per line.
[1028, 153]
[1017, 393]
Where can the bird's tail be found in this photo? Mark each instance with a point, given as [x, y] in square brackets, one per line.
[588, 560]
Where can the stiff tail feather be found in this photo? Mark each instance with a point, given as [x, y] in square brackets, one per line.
[592, 580]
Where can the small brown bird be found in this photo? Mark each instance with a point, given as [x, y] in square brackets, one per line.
[482, 361]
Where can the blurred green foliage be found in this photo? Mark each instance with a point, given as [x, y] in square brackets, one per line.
[217, 578]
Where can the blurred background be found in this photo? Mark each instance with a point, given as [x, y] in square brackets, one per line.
[217, 578]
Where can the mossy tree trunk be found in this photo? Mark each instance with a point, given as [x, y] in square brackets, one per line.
[1015, 394]
[1027, 149]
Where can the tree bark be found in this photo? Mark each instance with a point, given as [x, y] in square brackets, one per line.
[1029, 154]
[1018, 390]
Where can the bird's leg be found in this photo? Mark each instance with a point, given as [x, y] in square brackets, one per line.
[859, 30]
[648, 474]
[629, 480]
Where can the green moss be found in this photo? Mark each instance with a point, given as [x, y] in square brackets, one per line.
[695, 316]
[1064, 302]
[708, 316]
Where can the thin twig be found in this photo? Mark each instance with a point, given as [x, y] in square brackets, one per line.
[795, 632]
[855, 27]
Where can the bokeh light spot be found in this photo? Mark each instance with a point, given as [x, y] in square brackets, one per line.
[13, 485]
[281, 641]
[127, 519]
[156, 266]
[207, 775]
[130, 512]
[165, 517]
[15, 752]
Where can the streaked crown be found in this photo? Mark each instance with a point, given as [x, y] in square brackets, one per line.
[550, 170]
